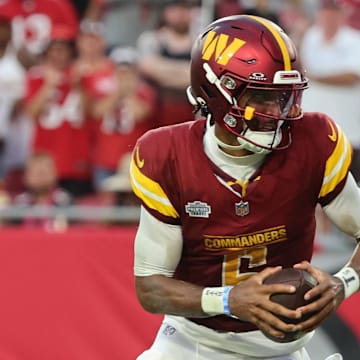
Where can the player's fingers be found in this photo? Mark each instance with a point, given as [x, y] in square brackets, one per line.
[270, 289]
[313, 271]
[262, 275]
[304, 265]
[318, 291]
[316, 319]
[280, 310]
[267, 328]
[327, 299]
[273, 324]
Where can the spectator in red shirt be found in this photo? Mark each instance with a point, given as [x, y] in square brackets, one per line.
[55, 105]
[33, 21]
[122, 111]
[91, 63]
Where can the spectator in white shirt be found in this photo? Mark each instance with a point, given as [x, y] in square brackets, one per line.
[330, 53]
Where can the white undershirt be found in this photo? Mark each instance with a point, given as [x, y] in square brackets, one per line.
[239, 167]
[161, 254]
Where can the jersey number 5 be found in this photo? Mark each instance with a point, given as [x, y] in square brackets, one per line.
[237, 266]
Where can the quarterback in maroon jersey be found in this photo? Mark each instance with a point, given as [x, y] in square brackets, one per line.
[230, 198]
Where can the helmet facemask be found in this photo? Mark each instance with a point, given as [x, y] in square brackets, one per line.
[260, 115]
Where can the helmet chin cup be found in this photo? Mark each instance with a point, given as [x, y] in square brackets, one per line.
[255, 141]
[260, 142]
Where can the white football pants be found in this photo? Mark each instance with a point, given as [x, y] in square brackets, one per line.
[176, 340]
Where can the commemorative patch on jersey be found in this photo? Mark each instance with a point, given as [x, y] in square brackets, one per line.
[198, 209]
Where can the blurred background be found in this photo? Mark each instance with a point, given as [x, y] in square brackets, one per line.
[80, 81]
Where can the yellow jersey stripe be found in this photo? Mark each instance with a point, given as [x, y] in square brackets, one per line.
[150, 192]
[337, 165]
[278, 38]
[333, 160]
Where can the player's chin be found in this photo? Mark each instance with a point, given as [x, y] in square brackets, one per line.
[263, 124]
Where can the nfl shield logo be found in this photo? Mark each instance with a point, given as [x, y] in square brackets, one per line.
[242, 208]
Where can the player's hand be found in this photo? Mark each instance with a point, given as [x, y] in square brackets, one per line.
[327, 295]
[250, 301]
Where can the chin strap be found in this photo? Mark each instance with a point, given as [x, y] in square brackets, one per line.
[247, 144]
[217, 140]
[252, 147]
[260, 142]
[257, 142]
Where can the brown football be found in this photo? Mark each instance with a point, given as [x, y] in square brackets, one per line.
[303, 282]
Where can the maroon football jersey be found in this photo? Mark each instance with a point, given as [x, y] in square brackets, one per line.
[227, 236]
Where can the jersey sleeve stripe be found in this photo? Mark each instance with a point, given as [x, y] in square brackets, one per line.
[337, 165]
[150, 192]
[338, 152]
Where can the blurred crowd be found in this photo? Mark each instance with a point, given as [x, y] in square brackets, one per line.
[80, 81]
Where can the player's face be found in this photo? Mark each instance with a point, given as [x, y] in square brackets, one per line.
[268, 105]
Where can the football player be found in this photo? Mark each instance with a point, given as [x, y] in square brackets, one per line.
[230, 198]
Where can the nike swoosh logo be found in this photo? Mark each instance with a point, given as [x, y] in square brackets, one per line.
[332, 136]
[139, 162]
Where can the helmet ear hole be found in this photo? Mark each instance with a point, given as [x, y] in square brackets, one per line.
[198, 102]
[191, 97]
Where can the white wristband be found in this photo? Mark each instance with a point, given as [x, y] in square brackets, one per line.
[350, 279]
[215, 300]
